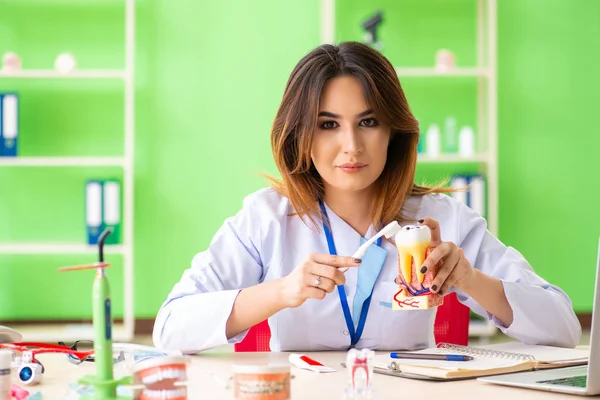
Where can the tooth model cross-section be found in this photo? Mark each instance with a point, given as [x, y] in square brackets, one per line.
[413, 243]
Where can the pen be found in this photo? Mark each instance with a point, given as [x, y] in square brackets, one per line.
[423, 356]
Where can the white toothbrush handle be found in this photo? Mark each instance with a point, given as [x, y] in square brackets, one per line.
[390, 230]
[360, 253]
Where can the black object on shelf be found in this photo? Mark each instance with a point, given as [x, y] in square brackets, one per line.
[371, 25]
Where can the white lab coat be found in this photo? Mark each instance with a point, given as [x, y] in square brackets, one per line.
[262, 242]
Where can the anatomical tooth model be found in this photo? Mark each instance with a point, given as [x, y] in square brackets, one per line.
[413, 243]
[360, 369]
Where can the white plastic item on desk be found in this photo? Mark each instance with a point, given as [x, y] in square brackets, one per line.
[304, 362]
[360, 369]
[5, 383]
[432, 141]
[8, 335]
[466, 142]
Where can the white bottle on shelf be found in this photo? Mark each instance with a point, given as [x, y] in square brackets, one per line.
[466, 142]
[450, 135]
[433, 141]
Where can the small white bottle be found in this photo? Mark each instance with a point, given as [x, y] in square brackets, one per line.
[450, 135]
[433, 141]
[5, 382]
[466, 142]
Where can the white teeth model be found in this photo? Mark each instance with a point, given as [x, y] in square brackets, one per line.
[182, 374]
[412, 242]
[149, 379]
[166, 394]
[163, 374]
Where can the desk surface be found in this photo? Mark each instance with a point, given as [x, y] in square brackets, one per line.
[209, 379]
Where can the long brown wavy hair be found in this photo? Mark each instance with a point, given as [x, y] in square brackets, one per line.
[296, 122]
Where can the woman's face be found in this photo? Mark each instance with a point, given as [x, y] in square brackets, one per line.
[349, 149]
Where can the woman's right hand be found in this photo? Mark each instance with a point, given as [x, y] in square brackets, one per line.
[318, 275]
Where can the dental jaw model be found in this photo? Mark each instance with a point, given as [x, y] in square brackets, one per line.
[413, 243]
[161, 378]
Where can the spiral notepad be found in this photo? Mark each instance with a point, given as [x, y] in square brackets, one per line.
[484, 352]
[488, 360]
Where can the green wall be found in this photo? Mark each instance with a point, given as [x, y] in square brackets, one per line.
[209, 78]
[547, 95]
[549, 164]
[58, 118]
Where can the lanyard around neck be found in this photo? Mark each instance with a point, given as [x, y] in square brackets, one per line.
[354, 334]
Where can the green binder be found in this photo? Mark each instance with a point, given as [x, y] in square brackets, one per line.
[112, 209]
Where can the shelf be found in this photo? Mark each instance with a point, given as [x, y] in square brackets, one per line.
[77, 74]
[62, 161]
[69, 3]
[53, 333]
[452, 159]
[57, 248]
[124, 74]
[432, 72]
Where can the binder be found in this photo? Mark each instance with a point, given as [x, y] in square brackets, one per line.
[93, 210]
[474, 193]
[10, 124]
[459, 182]
[477, 194]
[1, 127]
[112, 209]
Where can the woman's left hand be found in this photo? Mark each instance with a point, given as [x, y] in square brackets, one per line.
[454, 268]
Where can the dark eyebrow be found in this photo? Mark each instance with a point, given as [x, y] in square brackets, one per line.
[328, 114]
[332, 115]
[364, 113]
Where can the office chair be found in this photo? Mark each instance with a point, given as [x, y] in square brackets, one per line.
[451, 326]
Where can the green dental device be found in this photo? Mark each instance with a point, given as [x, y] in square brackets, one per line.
[103, 383]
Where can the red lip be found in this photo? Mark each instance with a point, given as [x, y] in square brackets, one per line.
[353, 165]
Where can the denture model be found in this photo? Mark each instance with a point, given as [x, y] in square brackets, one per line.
[161, 378]
[413, 243]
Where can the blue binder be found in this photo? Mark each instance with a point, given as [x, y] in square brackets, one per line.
[1, 127]
[10, 124]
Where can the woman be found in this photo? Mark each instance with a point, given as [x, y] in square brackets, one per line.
[345, 143]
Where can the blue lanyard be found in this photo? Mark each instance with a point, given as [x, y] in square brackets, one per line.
[354, 334]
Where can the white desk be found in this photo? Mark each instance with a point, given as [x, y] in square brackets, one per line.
[205, 369]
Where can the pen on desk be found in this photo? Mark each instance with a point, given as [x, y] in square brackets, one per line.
[423, 356]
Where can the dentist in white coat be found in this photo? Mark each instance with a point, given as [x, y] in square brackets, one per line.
[345, 143]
